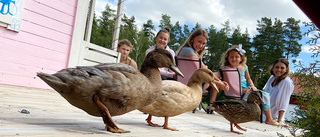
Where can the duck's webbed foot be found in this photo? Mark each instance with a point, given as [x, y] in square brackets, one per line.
[115, 129]
[150, 123]
[165, 125]
[239, 127]
[231, 128]
[173, 129]
[110, 125]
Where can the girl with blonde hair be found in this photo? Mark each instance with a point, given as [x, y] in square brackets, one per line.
[194, 48]
[235, 57]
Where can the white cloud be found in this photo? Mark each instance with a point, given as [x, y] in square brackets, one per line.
[100, 6]
[299, 60]
[306, 49]
[244, 13]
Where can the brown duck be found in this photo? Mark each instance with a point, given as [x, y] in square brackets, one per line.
[178, 98]
[239, 111]
[112, 89]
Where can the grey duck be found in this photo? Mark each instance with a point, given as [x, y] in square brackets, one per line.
[112, 89]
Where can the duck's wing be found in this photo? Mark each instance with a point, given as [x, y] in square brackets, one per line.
[172, 90]
[173, 101]
[237, 111]
[124, 80]
[84, 72]
[112, 80]
[175, 94]
[171, 86]
[226, 103]
[117, 67]
[230, 106]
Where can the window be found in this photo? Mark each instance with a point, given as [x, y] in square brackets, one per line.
[10, 14]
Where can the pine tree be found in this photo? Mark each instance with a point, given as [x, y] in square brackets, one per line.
[177, 37]
[165, 22]
[128, 30]
[195, 27]
[268, 47]
[292, 36]
[186, 33]
[216, 45]
[95, 33]
[148, 29]
[238, 38]
[107, 27]
[212, 57]
[143, 43]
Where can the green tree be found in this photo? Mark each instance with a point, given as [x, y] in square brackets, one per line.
[216, 45]
[292, 36]
[177, 36]
[195, 27]
[268, 46]
[238, 38]
[138, 52]
[247, 45]
[148, 29]
[212, 57]
[95, 32]
[186, 33]
[227, 31]
[166, 22]
[144, 39]
[106, 22]
[128, 30]
[277, 43]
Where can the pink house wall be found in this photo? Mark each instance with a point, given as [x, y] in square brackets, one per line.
[43, 44]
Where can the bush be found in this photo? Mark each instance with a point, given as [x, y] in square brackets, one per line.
[308, 117]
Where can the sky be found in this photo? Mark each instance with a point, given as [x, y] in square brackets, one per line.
[243, 13]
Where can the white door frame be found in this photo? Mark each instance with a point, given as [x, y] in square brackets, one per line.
[83, 52]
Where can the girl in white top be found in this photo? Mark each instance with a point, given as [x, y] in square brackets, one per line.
[162, 39]
[280, 87]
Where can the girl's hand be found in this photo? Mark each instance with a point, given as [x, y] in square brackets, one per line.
[226, 86]
[253, 88]
[245, 91]
[205, 66]
[222, 85]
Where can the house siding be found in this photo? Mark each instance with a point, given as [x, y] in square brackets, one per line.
[42, 45]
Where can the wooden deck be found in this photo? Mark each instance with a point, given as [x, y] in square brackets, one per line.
[52, 116]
